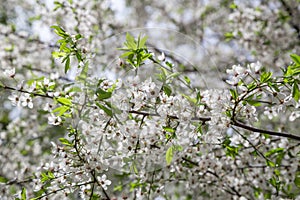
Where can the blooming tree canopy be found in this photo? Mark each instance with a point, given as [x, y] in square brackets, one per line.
[150, 100]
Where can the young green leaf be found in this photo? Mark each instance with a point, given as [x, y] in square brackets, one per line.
[167, 90]
[265, 77]
[61, 110]
[187, 80]
[295, 58]
[295, 91]
[3, 179]
[142, 42]
[60, 31]
[169, 129]
[101, 94]
[59, 54]
[234, 94]
[105, 109]
[67, 64]
[23, 194]
[297, 179]
[65, 142]
[64, 101]
[130, 42]
[169, 155]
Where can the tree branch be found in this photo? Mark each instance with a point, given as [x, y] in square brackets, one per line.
[273, 133]
[24, 91]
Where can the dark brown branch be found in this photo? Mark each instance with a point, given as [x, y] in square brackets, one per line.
[203, 119]
[24, 91]
[190, 161]
[234, 122]
[99, 184]
[273, 133]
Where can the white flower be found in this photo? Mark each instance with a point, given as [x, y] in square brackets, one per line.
[254, 67]
[26, 100]
[161, 57]
[106, 84]
[10, 72]
[54, 76]
[103, 181]
[32, 87]
[236, 74]
[150, 88]
[48, 107]
[47, 82]
[270, 112]
[53, 94]
[294, 115]
[233, 81]
[15, 99]
[236, 70]
[54, 120]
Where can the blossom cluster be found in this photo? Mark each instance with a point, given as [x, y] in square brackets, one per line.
[165, 122]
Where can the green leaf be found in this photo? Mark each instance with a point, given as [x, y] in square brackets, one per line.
[228, 36]
[79, 57]
[178, 148]
[274, 151]
[101, 94]
[61, 110]
[63, 47]
[167, 90]
[59, 54]
[297, 179]
[45, 176]
[295, 91]
[23, 194]
[190, 99]
[169, 64]
[105, 109]
[65, 142]
[134, 168]
[253, 102]
[251, 85]
[60, 31]
[169, 129]
[270, 163]
[64, 101]
[3, 179]
[127, 54]
[234, 94]
[78, 36]
[295, 58]
[130, 42]
[142, 42]
[74, 89]
[187, 80]
[83, 73]
[173, 75]
[265, 77]
[58, 5]
[233, 6]
[67, 64]
[169, 155]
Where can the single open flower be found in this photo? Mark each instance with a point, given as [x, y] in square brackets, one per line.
[54, 120]
[10, 72]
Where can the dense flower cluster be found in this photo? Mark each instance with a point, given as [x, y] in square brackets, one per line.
[160, 117]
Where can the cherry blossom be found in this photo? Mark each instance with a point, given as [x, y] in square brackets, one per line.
[26, 100]
[205, 119]
[104, 181]
[54, 120]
